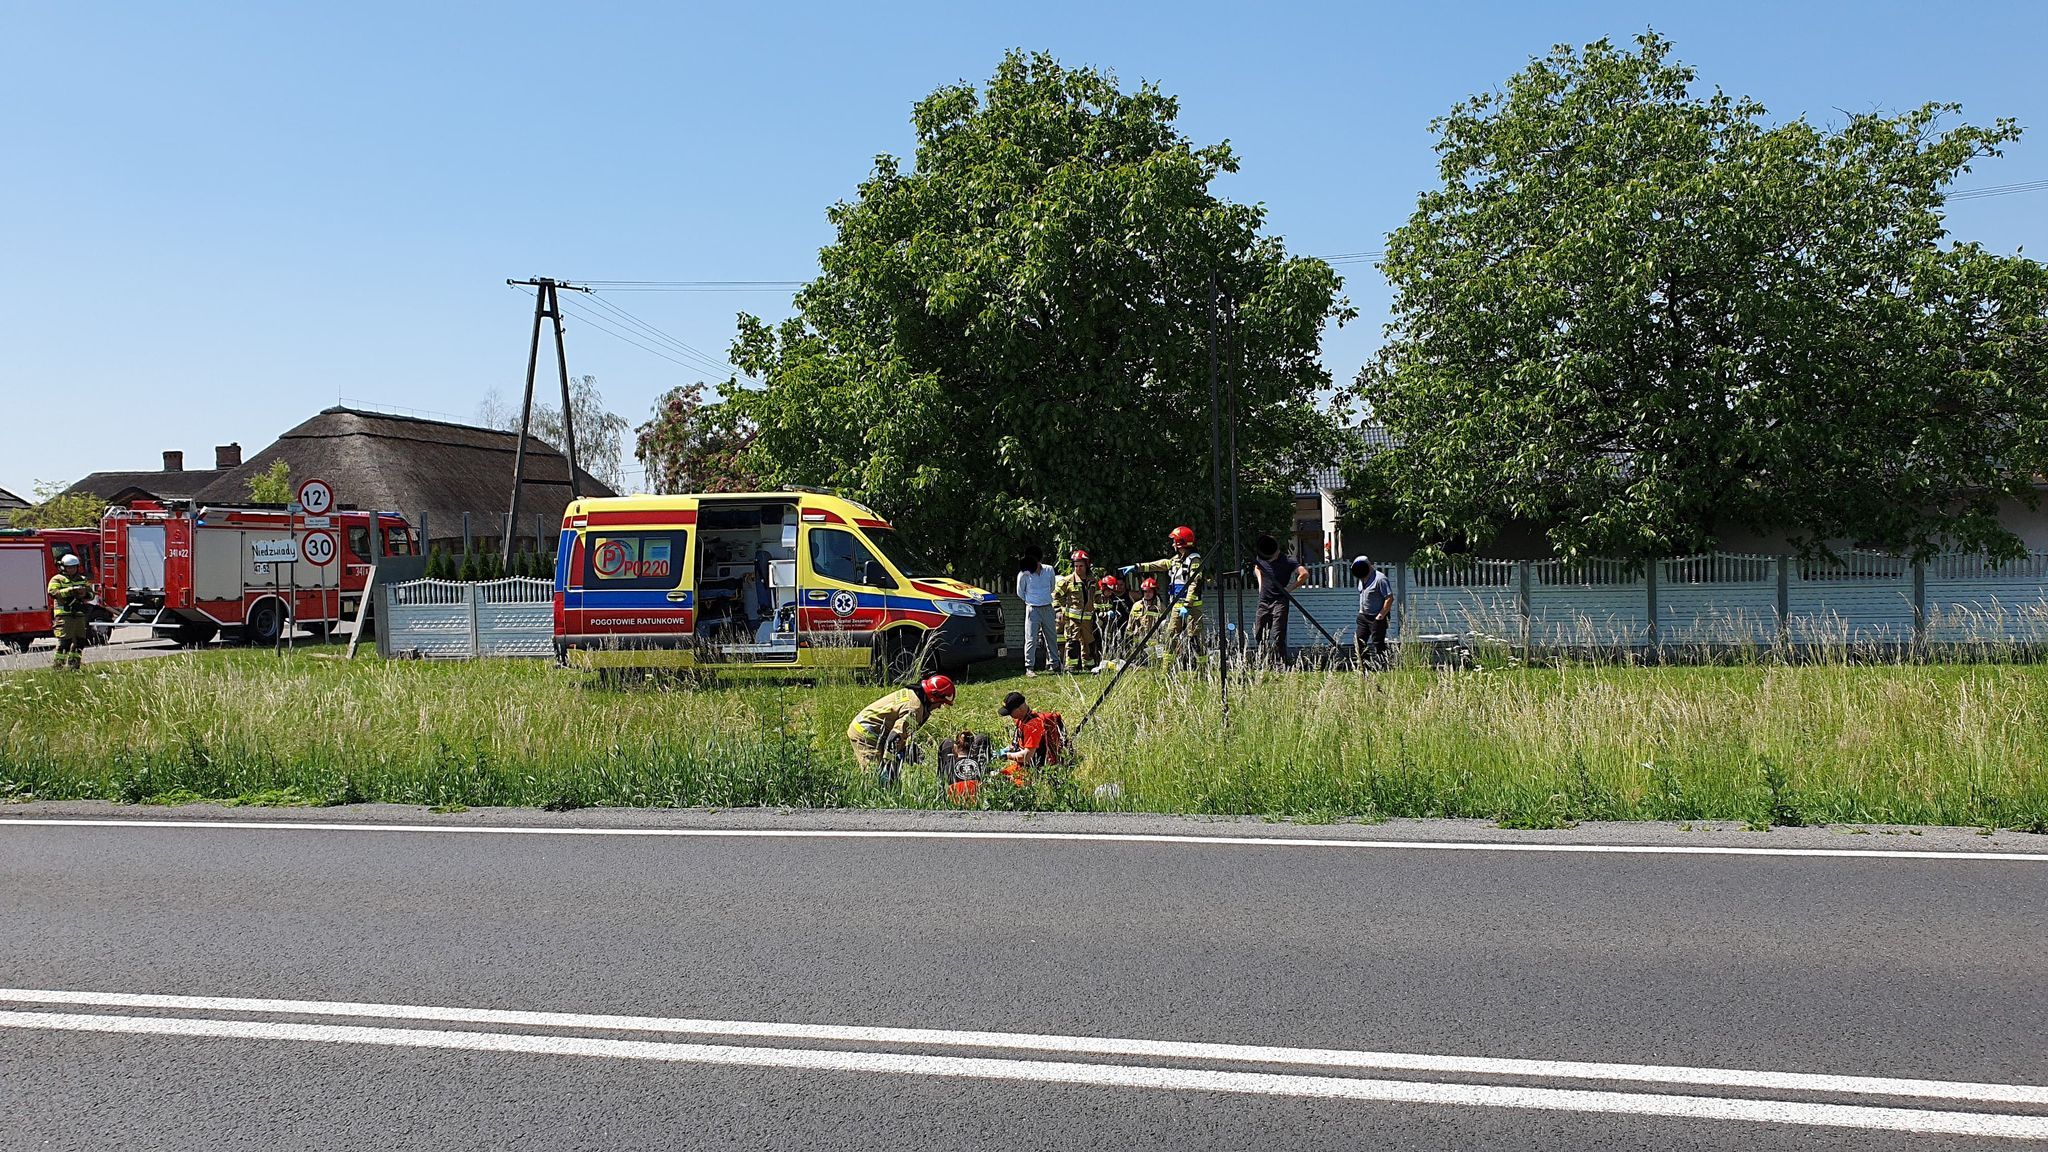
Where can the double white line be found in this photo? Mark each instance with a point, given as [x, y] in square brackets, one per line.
[1117, 1075]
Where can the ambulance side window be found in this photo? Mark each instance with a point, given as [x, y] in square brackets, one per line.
[629, 561]
[839, 555]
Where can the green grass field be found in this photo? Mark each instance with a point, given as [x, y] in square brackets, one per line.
[1759, 743]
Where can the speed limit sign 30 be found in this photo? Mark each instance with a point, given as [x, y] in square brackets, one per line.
[316, 497]
[319, 547]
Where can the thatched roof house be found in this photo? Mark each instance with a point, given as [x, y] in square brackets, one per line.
[427, 469]
[9, 505]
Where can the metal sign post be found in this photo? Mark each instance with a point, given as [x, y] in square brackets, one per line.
[319, 546]
[291, 617]
[314, 501]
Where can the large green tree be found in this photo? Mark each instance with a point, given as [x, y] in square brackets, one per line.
[1638, 316]
[1007, 342]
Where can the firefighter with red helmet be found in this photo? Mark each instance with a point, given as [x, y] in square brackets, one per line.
[1186, 581]
[894, 719]
[1073, 600]
[1145, 611]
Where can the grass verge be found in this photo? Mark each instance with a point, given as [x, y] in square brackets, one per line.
[1529, 747]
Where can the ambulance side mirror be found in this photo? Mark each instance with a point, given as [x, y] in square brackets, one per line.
[875, 576]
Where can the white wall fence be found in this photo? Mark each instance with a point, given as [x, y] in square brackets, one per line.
[1713, 601]
[454, 620]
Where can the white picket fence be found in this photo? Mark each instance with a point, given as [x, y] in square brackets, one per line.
[446, 619]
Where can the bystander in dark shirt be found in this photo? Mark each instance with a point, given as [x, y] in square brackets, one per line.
[1276, 576]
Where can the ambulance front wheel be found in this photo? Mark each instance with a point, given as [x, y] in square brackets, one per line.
[899, 656]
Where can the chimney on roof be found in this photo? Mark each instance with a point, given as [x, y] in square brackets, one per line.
[174, 461]
[227, 456]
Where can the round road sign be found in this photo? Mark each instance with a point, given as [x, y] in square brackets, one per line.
[319, 547]
[316, 497]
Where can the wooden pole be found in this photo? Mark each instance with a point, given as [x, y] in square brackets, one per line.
[525, 414]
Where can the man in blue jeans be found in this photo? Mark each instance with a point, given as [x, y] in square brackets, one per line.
[1375, 605]
[1034, 588]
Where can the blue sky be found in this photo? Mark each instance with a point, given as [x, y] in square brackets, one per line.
[220, 218]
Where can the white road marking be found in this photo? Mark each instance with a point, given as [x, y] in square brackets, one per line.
[1080, 837]
[1068, 1045]
[1059, 1072]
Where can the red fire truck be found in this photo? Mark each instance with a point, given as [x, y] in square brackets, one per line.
[28, 558]
[197, 572]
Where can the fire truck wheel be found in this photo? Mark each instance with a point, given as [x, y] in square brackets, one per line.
[265, 622]
[193, 633]
[93, 633]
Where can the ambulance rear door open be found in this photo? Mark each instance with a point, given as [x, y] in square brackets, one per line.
[747, 581]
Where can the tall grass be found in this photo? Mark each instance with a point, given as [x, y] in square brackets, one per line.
[1759, 742]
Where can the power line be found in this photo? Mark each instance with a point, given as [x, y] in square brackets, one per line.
[617, 335]
[695, 285]
[699, 363]
[613, 330]
[1998, 190]
[655, 333]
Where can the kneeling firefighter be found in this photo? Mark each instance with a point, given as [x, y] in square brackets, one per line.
[1145, 611]
[895, 717]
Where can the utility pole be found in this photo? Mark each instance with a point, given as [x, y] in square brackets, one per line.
[1216, 485]
[546, 303]
[1236, 526]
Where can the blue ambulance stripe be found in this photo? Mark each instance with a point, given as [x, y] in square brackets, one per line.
[606, 599]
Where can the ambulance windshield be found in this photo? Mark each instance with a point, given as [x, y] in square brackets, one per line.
[907, 560]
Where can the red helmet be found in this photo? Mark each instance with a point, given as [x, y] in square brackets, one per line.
[1183, 535]
[1080, 555]
[1109, 584]
[938, 689]
[1150, 585]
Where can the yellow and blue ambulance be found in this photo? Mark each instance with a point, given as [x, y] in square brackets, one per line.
[797, 579]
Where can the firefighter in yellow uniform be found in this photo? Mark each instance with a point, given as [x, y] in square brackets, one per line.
[1144, 612]
[1073, 599]
[70, 595]
[1186, 581]
[899, 714]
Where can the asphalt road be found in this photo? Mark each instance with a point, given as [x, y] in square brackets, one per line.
[128, 644]
[1831, 966]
